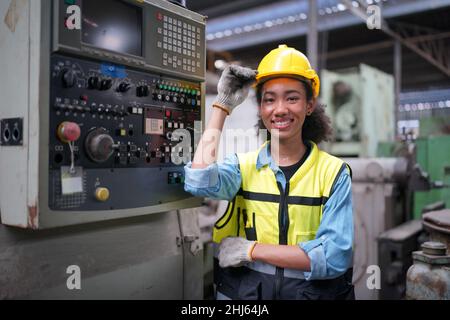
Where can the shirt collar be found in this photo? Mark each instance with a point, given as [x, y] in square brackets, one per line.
[264, 157]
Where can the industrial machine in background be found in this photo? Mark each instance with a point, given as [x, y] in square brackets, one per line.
[97, 99]
[360, 103]
[429, 277]
[377, 192]
[394, 257]
[424, 118]
[394, 180]
[385, 232]
[423, 125]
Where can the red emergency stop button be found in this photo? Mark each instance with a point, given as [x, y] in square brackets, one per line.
[68, 131]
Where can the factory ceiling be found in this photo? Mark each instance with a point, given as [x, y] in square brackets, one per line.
[244, 30]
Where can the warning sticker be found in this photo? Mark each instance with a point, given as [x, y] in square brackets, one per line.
[71, 182]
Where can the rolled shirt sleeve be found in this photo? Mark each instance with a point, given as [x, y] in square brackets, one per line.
[217, 181]
[330, 252]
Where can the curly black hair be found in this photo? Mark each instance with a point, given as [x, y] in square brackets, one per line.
[317, 126]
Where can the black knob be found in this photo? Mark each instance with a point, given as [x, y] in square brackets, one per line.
[146, 91]
[123, 87]
[93, 82]
[105, 84]
[99, 145]
[68, 78]
[142, 91]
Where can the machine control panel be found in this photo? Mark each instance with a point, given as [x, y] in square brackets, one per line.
[121, 129]
[104, 112]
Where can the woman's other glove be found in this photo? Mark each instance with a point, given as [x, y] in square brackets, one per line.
[234, 85]
[235, 252]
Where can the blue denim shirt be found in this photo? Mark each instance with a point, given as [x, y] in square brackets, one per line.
[330, 252]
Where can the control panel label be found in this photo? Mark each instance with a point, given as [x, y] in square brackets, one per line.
[71, 182]
[113, 71]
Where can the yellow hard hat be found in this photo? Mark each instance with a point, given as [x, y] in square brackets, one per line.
[290, 62]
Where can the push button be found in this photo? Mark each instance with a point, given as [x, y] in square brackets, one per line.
[123, 148]
[141, 154]
[102, 194]
[68, 131]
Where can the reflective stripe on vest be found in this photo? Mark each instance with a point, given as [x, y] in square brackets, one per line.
[255, 211]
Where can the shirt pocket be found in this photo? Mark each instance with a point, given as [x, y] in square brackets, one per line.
[304, 236]
[304, 223]
[266, 227]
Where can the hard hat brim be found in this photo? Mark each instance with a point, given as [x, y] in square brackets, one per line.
[314, 81]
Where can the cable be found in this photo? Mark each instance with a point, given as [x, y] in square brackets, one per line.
[72, 157]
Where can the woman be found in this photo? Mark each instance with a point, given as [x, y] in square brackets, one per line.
[288, 230]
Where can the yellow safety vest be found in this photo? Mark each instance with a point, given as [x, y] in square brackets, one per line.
[256, 210]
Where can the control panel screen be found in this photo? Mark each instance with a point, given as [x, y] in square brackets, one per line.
[113, 25]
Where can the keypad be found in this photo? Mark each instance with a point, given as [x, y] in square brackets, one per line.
[181, 45]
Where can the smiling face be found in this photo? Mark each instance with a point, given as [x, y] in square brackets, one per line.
[284, 107]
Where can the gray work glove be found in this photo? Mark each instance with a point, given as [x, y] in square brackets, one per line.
[235, 252]
[234, 85]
